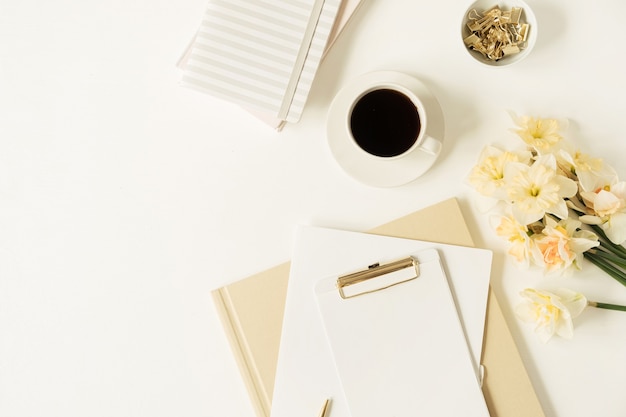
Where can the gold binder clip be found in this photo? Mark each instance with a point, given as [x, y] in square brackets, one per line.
[388, 275]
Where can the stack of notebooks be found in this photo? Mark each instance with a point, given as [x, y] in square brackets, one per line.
[263, 55]
[283, 362]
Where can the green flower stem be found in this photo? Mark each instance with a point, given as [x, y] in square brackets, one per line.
[613, 248]
[617, 249]
[606, 266]
[610, 257]
[606, 306]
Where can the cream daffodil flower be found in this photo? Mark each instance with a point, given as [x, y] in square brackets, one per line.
[551, 312]
[609, 210]
[518, 236]
[560, 246]
[487, 177]
[537, 189]
[543, 135]
[591, 173]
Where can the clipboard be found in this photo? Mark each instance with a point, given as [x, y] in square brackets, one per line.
[397, 341]
[305, 371]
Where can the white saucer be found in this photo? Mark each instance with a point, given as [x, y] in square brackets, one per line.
[369, 169]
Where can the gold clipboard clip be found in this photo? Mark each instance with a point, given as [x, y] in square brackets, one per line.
[390, 274]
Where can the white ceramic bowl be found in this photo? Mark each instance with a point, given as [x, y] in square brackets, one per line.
[527, 17]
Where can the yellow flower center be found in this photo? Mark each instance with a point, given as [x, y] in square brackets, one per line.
[534, 191]
[547, 314]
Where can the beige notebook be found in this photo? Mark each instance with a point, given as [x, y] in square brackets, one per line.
[252, 313]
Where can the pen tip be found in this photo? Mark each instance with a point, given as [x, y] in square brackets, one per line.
[324, 410]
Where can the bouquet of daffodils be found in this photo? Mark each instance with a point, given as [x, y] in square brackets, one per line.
[554, 203]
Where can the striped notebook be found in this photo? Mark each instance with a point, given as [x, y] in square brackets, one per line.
[262, 54]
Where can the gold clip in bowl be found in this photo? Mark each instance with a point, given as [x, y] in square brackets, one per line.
[387, 275]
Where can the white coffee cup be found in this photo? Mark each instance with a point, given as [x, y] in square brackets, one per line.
[389, 121]
[406, 163]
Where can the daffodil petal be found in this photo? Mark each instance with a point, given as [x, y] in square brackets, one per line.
[567, 187]
[525, 217]
[587, 219]
[615, 228]
[525, 313]
[565, 328]
[559, 210]
[573, 301]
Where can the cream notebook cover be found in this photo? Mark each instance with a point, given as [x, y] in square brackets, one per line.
[252, 313]
[346, 9]
[263, 55]
[397, 339]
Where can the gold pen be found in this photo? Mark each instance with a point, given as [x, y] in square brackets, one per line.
[324, 410]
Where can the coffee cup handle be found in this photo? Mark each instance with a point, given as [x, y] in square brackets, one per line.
[430, 145]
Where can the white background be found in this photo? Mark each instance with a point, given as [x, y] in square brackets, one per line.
[125, 198]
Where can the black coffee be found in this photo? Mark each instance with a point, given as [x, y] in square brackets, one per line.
[385, 123]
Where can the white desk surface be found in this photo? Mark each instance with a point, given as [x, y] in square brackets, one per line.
[125, 198]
